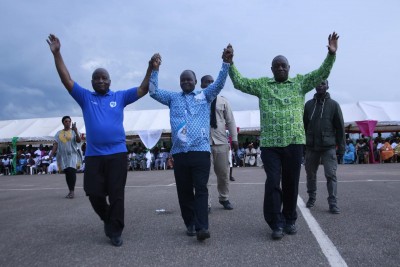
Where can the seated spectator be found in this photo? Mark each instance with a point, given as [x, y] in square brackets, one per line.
[21, 164]
[251, 154]
[38, 151]
[53, 167]
[30, 164]
[240, 155]
[393, 143]
[131, 161]
[161, 159]
[396, 155]
[140, 160]
[45, 162]
[349, 154]
[170, 162]
[386, 152]
[1, 167]
[362, 152]
[6, 164]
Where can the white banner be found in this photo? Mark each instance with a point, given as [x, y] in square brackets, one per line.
[150, 138]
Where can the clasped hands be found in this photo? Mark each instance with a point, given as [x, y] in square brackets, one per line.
[227, 57]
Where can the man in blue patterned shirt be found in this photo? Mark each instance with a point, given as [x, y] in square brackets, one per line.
[190, 128]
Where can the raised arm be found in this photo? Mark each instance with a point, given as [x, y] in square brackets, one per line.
[62, 70]
[333, 43]
[249, 86]
[77, 137]
[313, 79]
[162, 96]
[215, 88]
[154, 64]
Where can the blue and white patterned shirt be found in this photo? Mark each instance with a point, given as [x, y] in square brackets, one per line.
[189, 113]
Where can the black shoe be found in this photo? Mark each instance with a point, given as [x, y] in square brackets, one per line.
[232, 178]
[277, 234]
[191, 230]
[310, 202]
[202, 234]
[116, 241]
[290, 229]
[227, 205]
[333, 208]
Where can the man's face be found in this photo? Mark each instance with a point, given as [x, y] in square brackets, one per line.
[280, 68]
[322, 87]
[101, 81]
[206, 81]
[188, 81]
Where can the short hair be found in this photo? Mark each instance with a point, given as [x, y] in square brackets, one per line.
[64, 118]
[205, 76]
[191, 72]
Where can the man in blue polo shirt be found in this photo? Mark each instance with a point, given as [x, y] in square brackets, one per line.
[105, 158]
[190, 128]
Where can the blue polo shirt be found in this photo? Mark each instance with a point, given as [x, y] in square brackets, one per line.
[104, 116]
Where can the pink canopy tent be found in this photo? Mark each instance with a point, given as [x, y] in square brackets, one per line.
[367, 128]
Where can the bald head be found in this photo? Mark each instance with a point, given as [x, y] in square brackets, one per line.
[101, 81]
[206, 81]
[188, 81]
[280, 68]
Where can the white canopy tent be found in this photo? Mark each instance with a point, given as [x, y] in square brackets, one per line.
[385, 113]
[149, 122]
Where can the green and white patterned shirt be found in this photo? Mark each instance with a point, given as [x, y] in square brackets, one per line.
[282, 103]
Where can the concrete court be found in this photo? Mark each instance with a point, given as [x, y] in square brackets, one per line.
[39, 227]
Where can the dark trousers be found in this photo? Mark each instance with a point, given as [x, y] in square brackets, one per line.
[328, 159]
[70, 177]
[106, 176]
[281, 164]
[192, 171]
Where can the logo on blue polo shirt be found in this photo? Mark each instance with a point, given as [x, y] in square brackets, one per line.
[113, 104]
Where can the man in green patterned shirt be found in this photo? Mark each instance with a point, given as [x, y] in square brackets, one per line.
[281, 102]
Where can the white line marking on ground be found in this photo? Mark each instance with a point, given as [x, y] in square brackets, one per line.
[327, 247]
[173, 184]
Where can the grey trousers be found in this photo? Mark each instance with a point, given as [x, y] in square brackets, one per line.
[220, 164]
[329, 161]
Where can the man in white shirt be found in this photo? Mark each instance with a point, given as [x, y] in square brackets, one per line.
[221, 118]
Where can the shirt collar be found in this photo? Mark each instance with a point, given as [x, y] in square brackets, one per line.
[191, 93]
[106, 94]
[289, 80]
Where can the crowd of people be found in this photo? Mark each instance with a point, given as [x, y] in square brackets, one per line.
[32, 160]
[140, 158]
[287, 127]
[384, 150]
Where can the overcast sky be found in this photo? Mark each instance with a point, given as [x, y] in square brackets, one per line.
[121, 36]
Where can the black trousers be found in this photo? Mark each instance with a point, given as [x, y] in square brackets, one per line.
[106, 176]
[70, 177]
[192, 171]
[281, 164]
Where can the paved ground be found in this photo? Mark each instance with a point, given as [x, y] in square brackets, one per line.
[39, 227]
